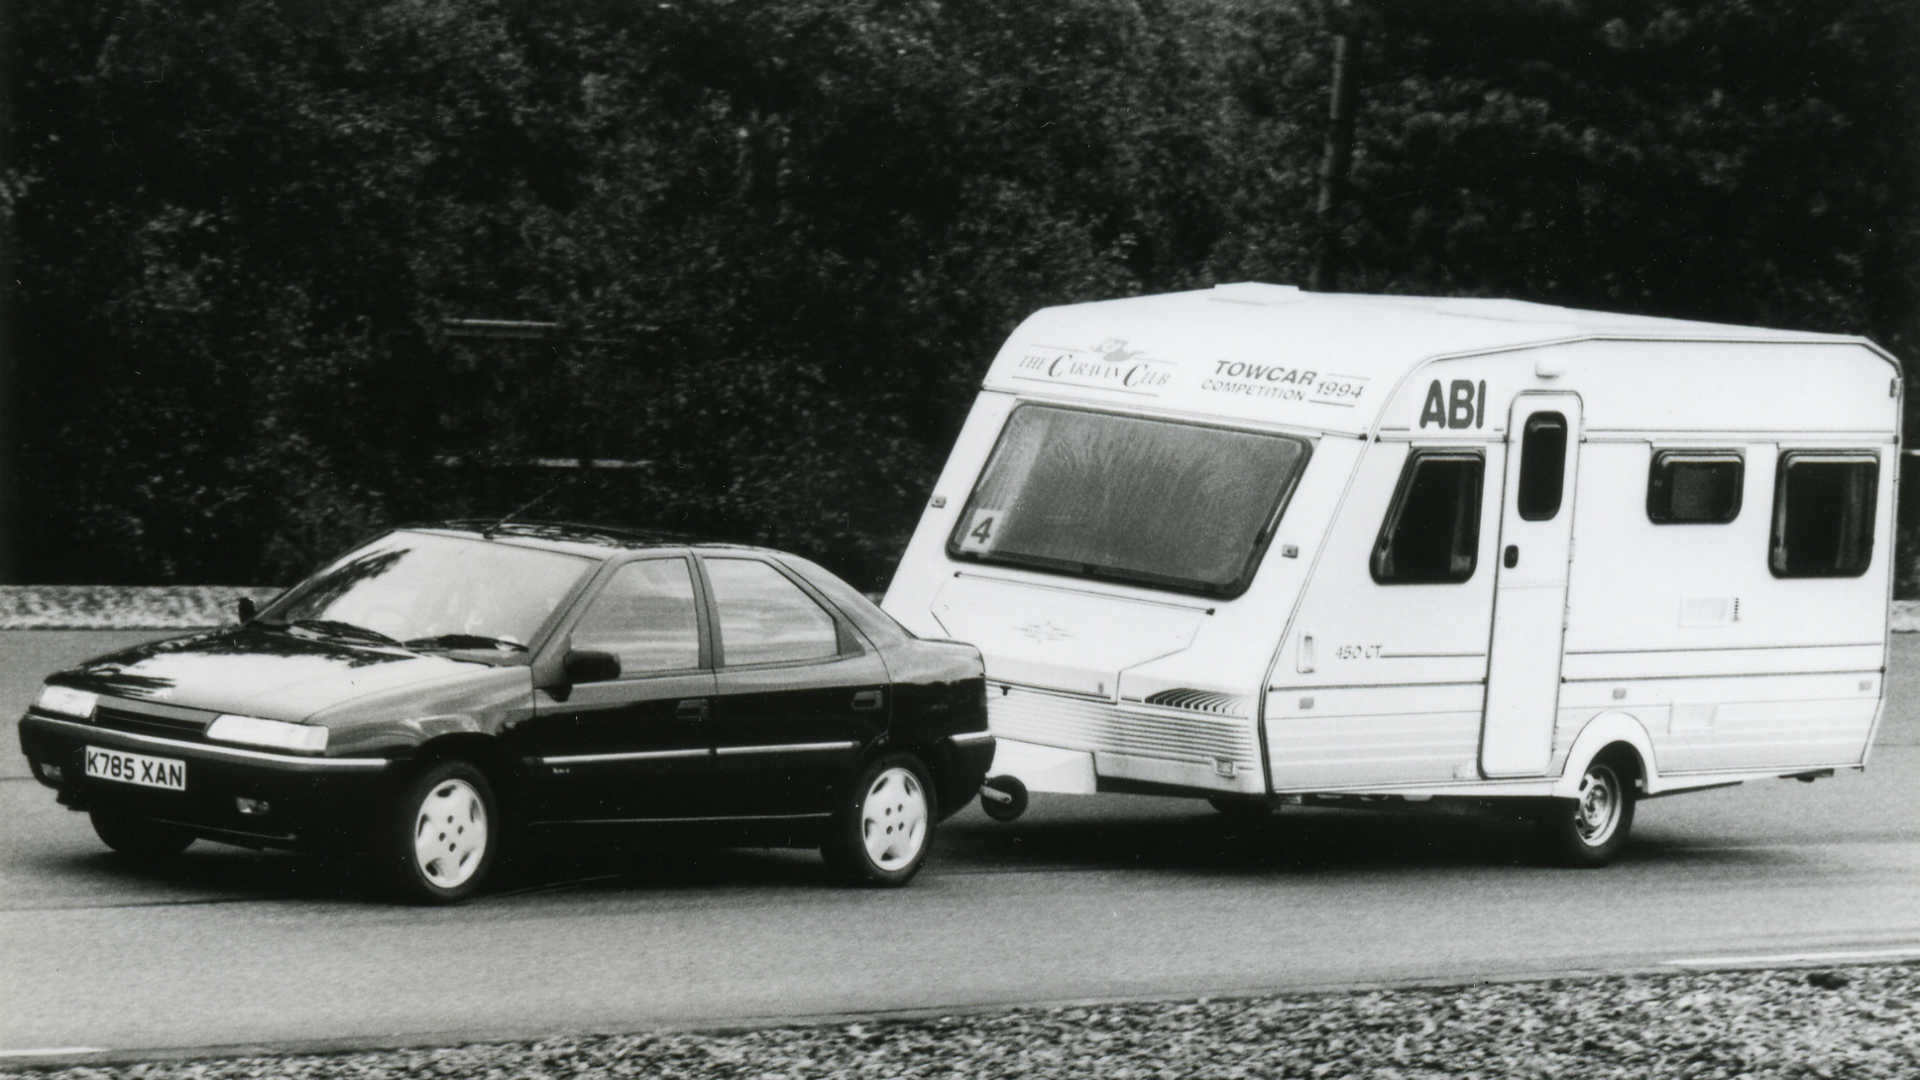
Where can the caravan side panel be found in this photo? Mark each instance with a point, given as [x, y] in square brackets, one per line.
[1384, 684]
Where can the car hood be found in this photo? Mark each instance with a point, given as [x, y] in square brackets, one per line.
[263, 673]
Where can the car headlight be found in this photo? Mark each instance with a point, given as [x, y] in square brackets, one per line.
[252, 730]
[67, 701]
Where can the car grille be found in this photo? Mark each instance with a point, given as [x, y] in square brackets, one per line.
[146, 723]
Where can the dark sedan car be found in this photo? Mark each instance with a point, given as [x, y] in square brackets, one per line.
[444, 689]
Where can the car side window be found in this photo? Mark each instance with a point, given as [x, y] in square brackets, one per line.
[766, 619]
[1431, 534]
[645, 616]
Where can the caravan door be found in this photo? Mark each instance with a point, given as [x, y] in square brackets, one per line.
[1530, 587]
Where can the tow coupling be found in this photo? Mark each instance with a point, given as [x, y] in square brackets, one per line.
[1004, 798]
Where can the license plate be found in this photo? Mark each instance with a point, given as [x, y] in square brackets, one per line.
[125, 768]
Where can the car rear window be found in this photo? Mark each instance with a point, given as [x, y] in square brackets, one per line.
[764, 618]
[878, 626]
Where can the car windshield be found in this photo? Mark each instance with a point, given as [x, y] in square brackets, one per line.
[432, 591]
[1153, 502]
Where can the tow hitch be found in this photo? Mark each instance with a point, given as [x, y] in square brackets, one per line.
[1003, 798]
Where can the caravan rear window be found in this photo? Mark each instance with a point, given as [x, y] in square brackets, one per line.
[1686, 487]
[1178, 506]
[1823, 514]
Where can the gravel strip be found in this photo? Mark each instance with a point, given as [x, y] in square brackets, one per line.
[122, 607]
[1853, 1022]
[189, 607]
[1906, 616]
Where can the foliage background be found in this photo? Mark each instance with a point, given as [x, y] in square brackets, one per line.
[782, 239]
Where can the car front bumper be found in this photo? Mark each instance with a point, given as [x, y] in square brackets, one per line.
[297, 801]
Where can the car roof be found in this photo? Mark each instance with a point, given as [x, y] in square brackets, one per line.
[576, 538]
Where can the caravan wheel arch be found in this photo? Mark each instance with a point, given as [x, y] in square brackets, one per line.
[1600, 735]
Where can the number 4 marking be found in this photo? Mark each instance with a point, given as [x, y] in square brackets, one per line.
[979, 534]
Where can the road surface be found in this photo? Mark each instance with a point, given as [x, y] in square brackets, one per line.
[1083, 898]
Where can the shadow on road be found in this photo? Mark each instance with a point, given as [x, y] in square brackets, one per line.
[205, 874]
[1203, 842]
[1160, 839]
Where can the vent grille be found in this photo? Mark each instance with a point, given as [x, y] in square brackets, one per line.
[1079, 724]
[121, 719]
[1206, 701]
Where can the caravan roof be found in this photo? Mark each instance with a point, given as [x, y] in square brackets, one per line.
[1277, 354]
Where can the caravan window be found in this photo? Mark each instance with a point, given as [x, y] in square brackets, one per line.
[1823, 505]
[1178, 506]
[1688, 487]
[1432, 531]
[1543, 466]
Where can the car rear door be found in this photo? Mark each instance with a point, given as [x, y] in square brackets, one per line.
[799, 692]
[636, 747]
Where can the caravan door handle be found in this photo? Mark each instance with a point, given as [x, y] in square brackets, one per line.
[1512, 557]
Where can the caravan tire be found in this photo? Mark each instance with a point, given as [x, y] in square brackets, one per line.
[1591, 828]
[1241, 807]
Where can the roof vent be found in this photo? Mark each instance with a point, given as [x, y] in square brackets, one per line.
[1258, 292]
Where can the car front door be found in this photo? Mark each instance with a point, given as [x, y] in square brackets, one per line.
[799, 692]
[638, 746]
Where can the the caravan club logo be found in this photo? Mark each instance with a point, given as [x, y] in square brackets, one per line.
[1114, 364]
[1045, 633]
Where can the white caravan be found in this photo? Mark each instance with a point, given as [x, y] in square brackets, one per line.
[1265, 545]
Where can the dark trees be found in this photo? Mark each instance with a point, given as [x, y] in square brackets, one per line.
[781, 241]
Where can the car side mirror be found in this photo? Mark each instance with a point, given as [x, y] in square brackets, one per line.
[246, 609]
[590, 665]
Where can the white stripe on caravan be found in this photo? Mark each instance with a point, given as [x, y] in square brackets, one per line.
[1839, 956]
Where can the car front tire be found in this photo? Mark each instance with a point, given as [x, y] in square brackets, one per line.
[442, 834]
[883, 828]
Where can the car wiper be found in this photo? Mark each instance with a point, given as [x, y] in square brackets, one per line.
[463, 641]
[339, 628]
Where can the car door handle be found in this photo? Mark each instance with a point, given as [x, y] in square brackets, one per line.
[868, 700]
[691, 711]
[1512, 558]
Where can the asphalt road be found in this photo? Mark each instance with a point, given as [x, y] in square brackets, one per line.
[1083, 898]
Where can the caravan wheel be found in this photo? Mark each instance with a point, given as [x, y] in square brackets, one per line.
[1241, 807]
[1591, 828]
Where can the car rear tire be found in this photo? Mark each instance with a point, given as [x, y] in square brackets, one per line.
[137, 837]
[442, 834]
[883, 828]
[1591, 828]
